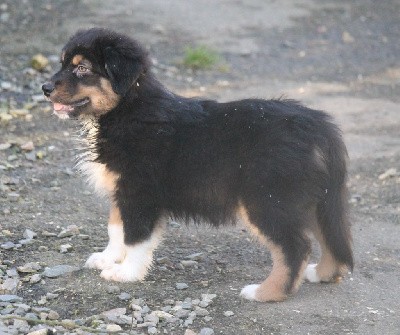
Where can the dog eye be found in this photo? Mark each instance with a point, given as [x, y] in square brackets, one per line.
[82, 69]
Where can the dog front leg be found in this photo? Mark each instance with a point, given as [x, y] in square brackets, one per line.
[115, 251]
[142, 231]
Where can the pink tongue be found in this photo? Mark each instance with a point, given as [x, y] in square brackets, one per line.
[62, 108]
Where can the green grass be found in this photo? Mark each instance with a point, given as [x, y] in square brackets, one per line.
[200, 58]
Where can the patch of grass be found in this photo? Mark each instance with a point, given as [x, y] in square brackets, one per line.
[200, 58]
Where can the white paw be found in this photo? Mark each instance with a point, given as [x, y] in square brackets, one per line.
[123, 272]
[310, 273]
[102, 260]
[249, 292]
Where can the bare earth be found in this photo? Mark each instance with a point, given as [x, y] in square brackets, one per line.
[339, 56]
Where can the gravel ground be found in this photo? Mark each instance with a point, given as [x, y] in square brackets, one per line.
[341, 56]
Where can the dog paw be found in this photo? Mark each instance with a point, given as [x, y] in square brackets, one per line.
[124, 272]
[249, 292]
[100, 260]
[310, 273]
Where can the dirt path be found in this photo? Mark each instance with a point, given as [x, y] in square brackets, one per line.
[339, 56]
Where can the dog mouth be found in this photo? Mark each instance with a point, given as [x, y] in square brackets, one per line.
[63, 111]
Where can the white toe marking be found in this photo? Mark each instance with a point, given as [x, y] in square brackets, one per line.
[114, 252]
[311, 273]
[249, 292]
[137, 261]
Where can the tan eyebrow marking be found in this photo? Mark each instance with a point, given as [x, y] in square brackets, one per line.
[77, 59]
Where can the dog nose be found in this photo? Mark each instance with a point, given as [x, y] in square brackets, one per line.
[47, 88]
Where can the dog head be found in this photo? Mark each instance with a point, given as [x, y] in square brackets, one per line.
[98, 68]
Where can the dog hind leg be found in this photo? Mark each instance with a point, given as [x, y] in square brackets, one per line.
[290, 251]
[327, 269]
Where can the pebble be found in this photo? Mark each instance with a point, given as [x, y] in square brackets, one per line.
[35, 278]
[189, 332]
[390, 173]
[113, 289]
[113, 328]
[124, 296]
[181, 286]
[152, 330]
[9, 298]
[196, 257]
[206, 331]
[189, 264]
[29, 267]
[39, 62]
[65, 248]
[69, 231]
[59, 270]
[29, 234]
[229, 313]
[10, 285]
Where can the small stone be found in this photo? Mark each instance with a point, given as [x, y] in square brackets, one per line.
[145, 324]
[113, 289]
[13, 196]
[9, 298]
[29, 234]
[42, 331]
[204, 303]
[69, 231]
[189, 264]
[201, 311]
[208, 296]
[65, 248]
[113, 328]
[195, 257]
[124, 296]
[347, 38]
[189, 332]
[135, 307]
[28, 146]
[35, 278]
[390, 173]
[51, 296]
[181, 286]
[152, 330]
[162, 315]
[30, 156]
[152, 318]
[53, 315]
[59, 270]
[7, 245]
[19, 112]
[229, 313]
[5, 146]
[29, 267]
[10, 285]
[113, 313]
[206, 331]
[182, 313]
[39, 62]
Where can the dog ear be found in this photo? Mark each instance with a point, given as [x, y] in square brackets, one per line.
[122, 70]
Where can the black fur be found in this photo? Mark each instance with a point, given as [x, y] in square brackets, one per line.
[201, 160]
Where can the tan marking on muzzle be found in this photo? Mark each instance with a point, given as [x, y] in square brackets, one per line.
[103, 98]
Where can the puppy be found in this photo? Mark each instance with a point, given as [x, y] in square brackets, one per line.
[274, 164]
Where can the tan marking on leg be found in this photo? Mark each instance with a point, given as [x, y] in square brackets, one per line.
[274, 287]
[77, 59]
[328, 269]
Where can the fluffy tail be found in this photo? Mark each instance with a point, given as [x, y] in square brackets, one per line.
[332, 210]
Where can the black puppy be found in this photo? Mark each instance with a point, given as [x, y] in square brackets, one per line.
[274, 164]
